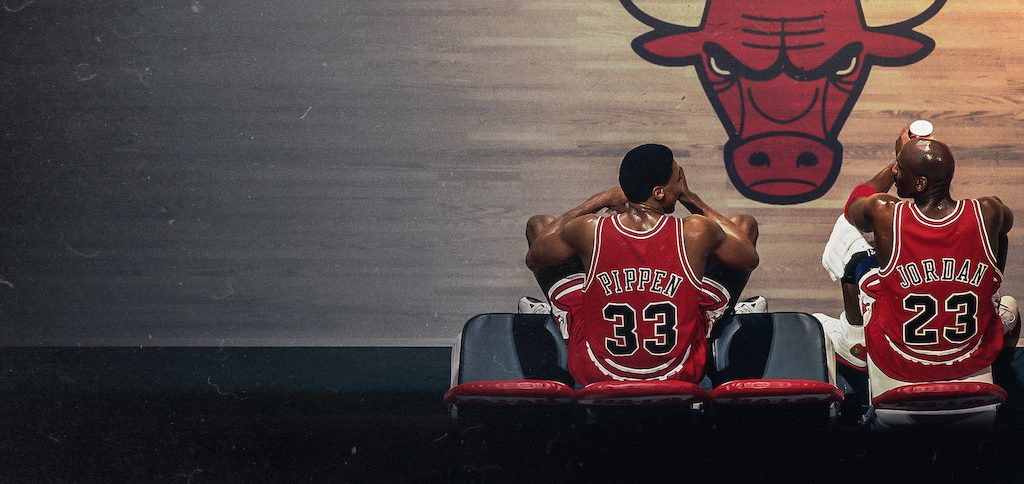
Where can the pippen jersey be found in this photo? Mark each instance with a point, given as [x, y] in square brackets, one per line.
[934, 318]
[640, 317]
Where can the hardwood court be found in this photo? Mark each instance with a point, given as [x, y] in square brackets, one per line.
[359, 173]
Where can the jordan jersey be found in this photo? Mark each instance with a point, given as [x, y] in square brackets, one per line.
[639, 317]
[934, 318]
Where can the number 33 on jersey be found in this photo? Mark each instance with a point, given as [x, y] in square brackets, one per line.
[641, 308]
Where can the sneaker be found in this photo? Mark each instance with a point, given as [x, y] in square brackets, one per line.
[847, 340]
[532, 305]
[1008, 313]
[756, 304]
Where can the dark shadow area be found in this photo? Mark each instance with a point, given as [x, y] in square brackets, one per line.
[375, 415]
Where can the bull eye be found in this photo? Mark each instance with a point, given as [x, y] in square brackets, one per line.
[759, 158]
[713, 62]
[849, 69]
[806, 159]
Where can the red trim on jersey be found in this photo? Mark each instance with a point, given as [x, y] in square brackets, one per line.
[718, 293]
[894, 250]
[638, 234]
[569, 284]
[683, 258]
[976, 205]
[598, 228]
[566, 298]
[946, 221]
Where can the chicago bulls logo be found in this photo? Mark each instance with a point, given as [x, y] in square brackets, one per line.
[783, 76]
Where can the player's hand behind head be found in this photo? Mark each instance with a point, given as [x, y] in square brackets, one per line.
[902, 139]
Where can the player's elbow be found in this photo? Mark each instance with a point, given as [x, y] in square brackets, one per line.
[535, 260]
[752, 261]
[744, 261]
[531, 262]
[538, 226]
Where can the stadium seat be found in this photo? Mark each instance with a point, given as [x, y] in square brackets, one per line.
[773, 361]
[658, 405]
[509, 360]
[630, 393]
[965, 405]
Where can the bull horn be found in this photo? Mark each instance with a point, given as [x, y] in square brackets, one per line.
[914, 21]
[650, 20]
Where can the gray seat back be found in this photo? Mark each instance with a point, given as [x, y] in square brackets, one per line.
[505, 346]
[768, 345]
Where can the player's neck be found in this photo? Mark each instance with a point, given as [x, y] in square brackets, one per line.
[935, 204]
[641, 216]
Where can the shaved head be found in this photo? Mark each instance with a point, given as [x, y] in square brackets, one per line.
[928, 158]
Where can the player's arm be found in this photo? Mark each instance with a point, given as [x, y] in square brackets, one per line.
[998, 222]
[869, 200]
[612, 198]
[863, 206]
[710, 238]
[565, 241]
[697, 206]
[737, 248]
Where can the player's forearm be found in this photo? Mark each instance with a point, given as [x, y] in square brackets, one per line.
[883, 180]
[697, 206]
[609, 197]
[857, 203]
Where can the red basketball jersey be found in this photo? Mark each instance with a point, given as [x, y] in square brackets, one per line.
[935, 318]
[640, 317]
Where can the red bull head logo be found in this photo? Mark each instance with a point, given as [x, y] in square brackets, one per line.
[783, 76]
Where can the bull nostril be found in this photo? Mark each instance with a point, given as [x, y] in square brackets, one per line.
[759, 158]
[807, 159]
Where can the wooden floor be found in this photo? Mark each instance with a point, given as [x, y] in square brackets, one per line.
[359, 173]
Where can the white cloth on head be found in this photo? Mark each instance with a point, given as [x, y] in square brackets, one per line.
[844, 242]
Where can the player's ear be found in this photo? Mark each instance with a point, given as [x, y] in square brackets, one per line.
[658, 192]
[921, 184]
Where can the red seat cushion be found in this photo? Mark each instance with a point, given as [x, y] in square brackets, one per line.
[658, 392]
[510, 392]
[775, 392]
[940, 396]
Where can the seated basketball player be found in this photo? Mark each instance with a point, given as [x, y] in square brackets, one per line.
[940, 270]
[849, 257]
[633, 306]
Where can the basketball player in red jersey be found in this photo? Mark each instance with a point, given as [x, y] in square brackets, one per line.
[636, 312]
[941, 261]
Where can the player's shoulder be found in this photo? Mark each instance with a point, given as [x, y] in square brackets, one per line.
[879, 208]
[882, 201]
[697, 222]
[992, 203]
[701, 227]
[995, 211]
[583, 223]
